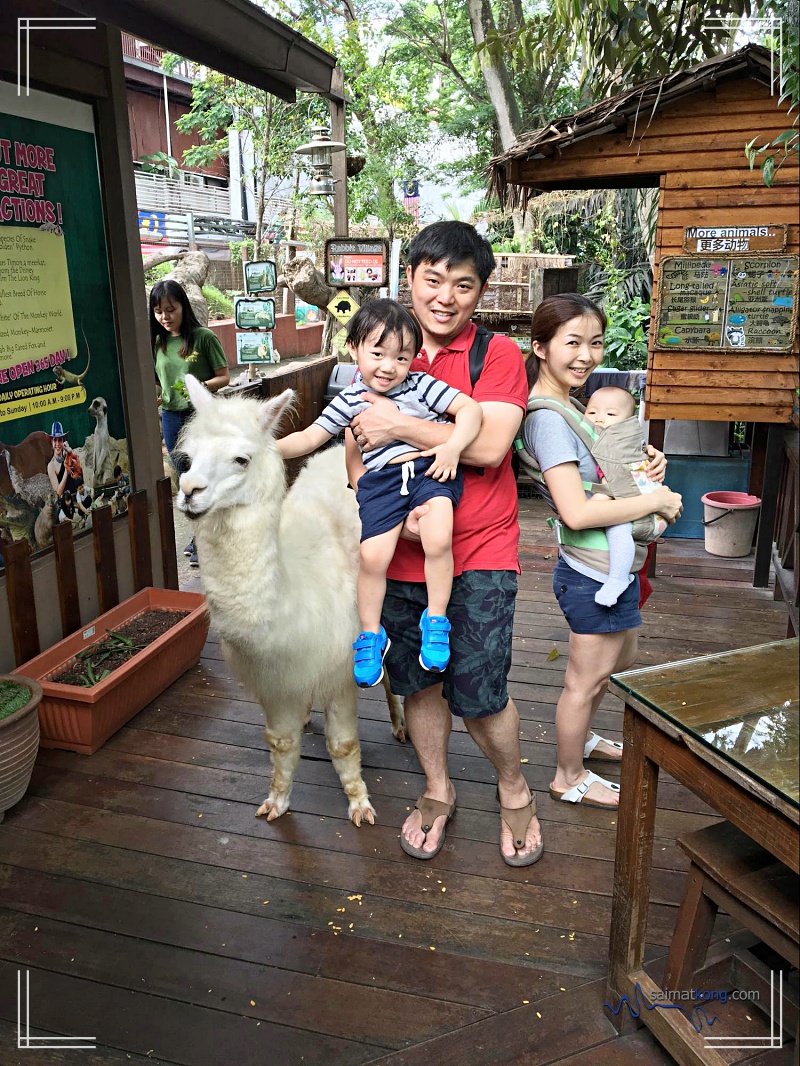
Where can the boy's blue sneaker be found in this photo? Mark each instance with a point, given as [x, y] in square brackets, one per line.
[435, 652]
[369, 651]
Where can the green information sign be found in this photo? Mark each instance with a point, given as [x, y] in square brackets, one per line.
[62, 420]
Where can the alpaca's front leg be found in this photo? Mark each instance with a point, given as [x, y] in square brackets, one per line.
[341, 736]
[283, 734]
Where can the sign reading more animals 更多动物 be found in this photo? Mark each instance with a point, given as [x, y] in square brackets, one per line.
[356, 262]
[746, 303]
[734, 240]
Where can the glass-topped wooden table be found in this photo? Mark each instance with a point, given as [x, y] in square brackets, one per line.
[726, 727]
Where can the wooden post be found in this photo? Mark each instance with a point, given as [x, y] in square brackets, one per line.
[166, 524]
[68, 596]
[141, 557]
[105, 559]
[21, 604]
[634, 859]
[339, 159]
[769, 504]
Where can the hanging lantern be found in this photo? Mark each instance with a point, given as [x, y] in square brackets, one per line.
[320, 150]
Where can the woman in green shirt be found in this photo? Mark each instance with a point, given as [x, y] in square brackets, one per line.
[181, 346]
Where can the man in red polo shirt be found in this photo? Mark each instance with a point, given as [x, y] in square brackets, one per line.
[449, 266]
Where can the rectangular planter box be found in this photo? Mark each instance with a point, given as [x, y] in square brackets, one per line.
[82, 719]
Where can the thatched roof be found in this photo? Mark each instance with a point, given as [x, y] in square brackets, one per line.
[637, 105]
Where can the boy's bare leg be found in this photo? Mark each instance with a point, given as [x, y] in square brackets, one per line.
[376, 554]
[436, 534]
[498, 738]
[428, 723]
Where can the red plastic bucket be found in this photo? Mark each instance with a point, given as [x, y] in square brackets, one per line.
[730, 521]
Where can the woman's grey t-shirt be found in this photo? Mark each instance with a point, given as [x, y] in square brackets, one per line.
[551, 442]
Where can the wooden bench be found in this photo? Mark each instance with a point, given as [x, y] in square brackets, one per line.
[731, 872]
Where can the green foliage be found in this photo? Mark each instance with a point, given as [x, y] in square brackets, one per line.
[159, 163]
[772, 154]
[624, 42]
[271, 129]
[219, 305]
[608, 232]
[625, 343]
[236, 249]
[156, 273]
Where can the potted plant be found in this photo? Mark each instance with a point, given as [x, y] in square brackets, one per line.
[19, 736]
[90, 692]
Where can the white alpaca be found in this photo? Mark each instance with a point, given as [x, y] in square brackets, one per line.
[279, 572]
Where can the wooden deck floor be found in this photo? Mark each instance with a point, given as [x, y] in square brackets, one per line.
[157, 915]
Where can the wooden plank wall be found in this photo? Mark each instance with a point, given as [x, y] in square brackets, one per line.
[709, 183]
[695, 150]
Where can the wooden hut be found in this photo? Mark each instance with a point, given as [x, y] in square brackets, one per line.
[723, 337]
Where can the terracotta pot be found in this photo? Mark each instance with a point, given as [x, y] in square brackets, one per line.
[19, 743]
[81, 719]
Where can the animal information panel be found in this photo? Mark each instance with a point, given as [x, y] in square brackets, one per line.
[747, 302]
[356, 262]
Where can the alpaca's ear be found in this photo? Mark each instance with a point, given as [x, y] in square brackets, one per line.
[272, 411]
[198, 393]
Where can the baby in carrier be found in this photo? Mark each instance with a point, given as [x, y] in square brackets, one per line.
[620, 454]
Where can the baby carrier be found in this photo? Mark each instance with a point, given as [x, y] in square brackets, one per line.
[611, 448]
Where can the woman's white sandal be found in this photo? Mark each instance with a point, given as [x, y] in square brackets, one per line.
[577, 793]
[591, 744]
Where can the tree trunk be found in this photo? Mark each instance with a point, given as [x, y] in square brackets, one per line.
[305, 281]
[495, 75]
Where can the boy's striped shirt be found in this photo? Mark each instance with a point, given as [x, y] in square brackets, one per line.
[418, 395]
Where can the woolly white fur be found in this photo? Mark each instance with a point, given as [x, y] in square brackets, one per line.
[279, 571]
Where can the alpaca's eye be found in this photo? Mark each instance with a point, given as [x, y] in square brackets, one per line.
[242, 460]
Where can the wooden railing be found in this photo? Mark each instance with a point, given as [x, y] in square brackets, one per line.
[144, 52]
[19, 575]
[787, 523]
[309, 381]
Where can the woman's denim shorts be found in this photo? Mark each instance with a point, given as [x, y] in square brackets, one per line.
[575, 595]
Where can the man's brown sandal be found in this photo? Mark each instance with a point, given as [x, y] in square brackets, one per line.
[430, 810]
[518, 819]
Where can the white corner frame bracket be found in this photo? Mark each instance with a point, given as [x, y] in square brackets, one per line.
[24, 28]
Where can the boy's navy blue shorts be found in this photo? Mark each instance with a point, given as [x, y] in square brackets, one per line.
[381, 504]
[575, 594]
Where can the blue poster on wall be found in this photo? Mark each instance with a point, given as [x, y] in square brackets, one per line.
[152, 226]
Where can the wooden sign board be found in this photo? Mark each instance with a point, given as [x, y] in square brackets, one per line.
[356, 262]
[742, 303]
[733, 240]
